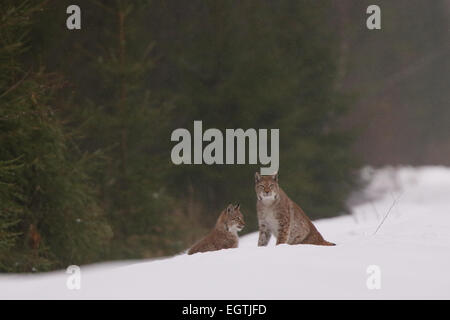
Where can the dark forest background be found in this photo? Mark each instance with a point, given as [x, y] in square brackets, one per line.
[86, 115]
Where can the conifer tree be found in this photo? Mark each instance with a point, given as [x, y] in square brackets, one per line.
[140, 69]
[49, 216]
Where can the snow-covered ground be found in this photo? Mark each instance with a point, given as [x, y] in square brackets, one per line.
[410, 252]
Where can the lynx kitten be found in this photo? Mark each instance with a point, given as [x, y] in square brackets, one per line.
[224, 235]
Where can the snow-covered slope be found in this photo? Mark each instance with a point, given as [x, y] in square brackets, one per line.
[411, 250]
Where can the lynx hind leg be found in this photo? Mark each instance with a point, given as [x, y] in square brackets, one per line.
[193, 249]
[264, 235]
[317, 239]
[202, 246]
[299, 233]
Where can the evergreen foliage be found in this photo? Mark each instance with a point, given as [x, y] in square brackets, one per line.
[49, 216]
[93, 177]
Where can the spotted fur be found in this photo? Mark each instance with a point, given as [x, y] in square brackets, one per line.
[278, 215]
[224, 235]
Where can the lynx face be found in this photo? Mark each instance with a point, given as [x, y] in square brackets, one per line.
[234, 218]
[266, 187]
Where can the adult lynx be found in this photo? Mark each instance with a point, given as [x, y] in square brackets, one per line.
[224, 235]
[282, 217]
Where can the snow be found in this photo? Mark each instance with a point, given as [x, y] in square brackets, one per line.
[411, 250]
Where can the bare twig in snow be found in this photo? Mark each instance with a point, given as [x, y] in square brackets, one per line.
[384, 218]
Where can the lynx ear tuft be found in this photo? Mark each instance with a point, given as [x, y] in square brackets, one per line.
[238, 206]
[275, 177]
[257, 177]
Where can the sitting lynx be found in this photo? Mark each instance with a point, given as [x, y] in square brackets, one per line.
[280, 216]
[224, 235]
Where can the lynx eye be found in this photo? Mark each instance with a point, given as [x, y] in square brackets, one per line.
[271, 186]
